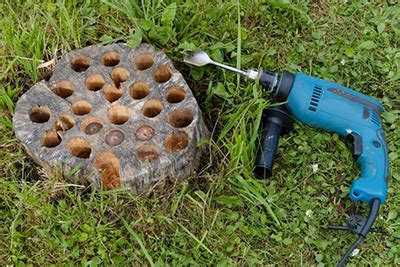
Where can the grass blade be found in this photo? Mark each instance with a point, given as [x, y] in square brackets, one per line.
[195, 238]
[138, 240]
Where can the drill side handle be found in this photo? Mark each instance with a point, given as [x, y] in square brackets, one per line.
[276, 121]
[266, 153]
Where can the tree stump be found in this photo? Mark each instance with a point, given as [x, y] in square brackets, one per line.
[125, 116]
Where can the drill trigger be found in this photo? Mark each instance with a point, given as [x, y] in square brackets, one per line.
[355, 142]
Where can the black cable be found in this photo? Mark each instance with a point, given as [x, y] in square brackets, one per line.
[337, 227]
[373, 213]
[349, 251]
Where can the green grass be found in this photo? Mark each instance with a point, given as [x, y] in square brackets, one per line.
[221, 216]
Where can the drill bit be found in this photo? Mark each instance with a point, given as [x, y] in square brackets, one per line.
[200, 58]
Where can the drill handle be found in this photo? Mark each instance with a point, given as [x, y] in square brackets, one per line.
[371, 151]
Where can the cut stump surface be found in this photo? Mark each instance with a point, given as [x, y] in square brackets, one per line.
[125, 116]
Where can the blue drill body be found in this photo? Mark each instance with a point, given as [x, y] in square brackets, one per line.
[335, 108]
[327, 105]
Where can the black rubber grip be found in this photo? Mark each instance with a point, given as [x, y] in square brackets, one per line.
[285, 86]
[276, 121]
[266, 153]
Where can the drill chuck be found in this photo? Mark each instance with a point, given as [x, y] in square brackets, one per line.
[269, 79]
[281, 84]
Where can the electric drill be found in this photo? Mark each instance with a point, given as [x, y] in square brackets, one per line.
[330, 106]
[335, 108]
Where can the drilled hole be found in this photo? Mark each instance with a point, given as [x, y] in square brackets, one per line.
[63, 88]
[39, 114]
[144, 61]
[64, 123]
[176, 141]
[139, 90]
[50, 138]
[118, 114]
[94, 82]
[162, 74]
[152, 108]
[144, 132]
[175, 94]
[80, 63]
[111, 92]
[91, 125]
[110, 59]
[119, 75]
[114, 137]
[107, 164]
[148, 153]
[180, 118]
[79, 147]
[81, 107]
